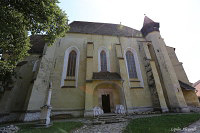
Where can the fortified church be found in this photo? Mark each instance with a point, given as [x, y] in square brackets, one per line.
[99, 66]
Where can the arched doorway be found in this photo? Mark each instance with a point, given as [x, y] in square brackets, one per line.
[107, 95]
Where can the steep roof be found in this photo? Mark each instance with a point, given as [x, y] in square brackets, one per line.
[37, 42]
[149, 26]
[103, 29]
[147, 20]
[196, 83]
[186, 86]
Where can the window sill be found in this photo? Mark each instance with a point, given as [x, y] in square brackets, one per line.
[70, 79]
[139, 87]
[134, 80]
[69, 83]
[68, 87]
[135, 83]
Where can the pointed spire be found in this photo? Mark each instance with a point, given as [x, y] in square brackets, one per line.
[147, 20]
[149, 26]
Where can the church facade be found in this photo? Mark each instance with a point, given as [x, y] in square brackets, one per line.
[99, 65]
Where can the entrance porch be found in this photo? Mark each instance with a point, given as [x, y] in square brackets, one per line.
[106, 96]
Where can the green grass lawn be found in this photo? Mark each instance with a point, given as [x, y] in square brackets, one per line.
[57, 127]
[161, 124]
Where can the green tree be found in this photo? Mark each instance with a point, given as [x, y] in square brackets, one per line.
[20, 18]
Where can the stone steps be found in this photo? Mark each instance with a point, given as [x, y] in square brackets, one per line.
[109, 118]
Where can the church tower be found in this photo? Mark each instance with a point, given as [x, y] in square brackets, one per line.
[174, 94]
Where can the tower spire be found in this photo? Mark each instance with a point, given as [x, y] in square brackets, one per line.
[147, 20]
[149, 26]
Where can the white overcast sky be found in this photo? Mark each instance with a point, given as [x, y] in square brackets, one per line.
[179, 22]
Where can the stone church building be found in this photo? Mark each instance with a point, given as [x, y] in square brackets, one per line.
[99, 65]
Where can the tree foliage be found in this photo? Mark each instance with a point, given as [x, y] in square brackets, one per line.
[20, 18]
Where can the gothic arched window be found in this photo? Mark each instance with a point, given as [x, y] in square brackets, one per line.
[131, 65]
[103, 61]
[71, 68]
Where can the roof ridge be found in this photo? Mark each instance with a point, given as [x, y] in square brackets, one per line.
[103, 29]
[93, 22]
[196, 83]
[102, 23]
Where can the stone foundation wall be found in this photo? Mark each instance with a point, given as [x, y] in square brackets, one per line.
[139, 109]
[88, 113]
[194, 109]
[69, 113]
[11, 117]
[31, 116]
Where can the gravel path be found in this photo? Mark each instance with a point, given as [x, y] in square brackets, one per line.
[109, 128]
[119, 127]
[104, 128]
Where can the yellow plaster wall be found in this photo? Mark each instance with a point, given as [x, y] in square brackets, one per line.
[138, 97]
[115, 95]
[191, 97]
[15, 99]
[178, 67]
[84, 96]
[40, 87]
[175, 95]
[74, 98]
[68, 98]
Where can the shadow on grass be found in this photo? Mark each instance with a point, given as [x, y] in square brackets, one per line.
[161, 124]
[57, 127]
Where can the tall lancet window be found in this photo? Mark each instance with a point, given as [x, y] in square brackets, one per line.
[131, 64]
[103, 61]
[71, 68]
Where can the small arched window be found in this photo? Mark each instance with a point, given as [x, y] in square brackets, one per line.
[131, 64]
[103, 60]
[71, 68]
